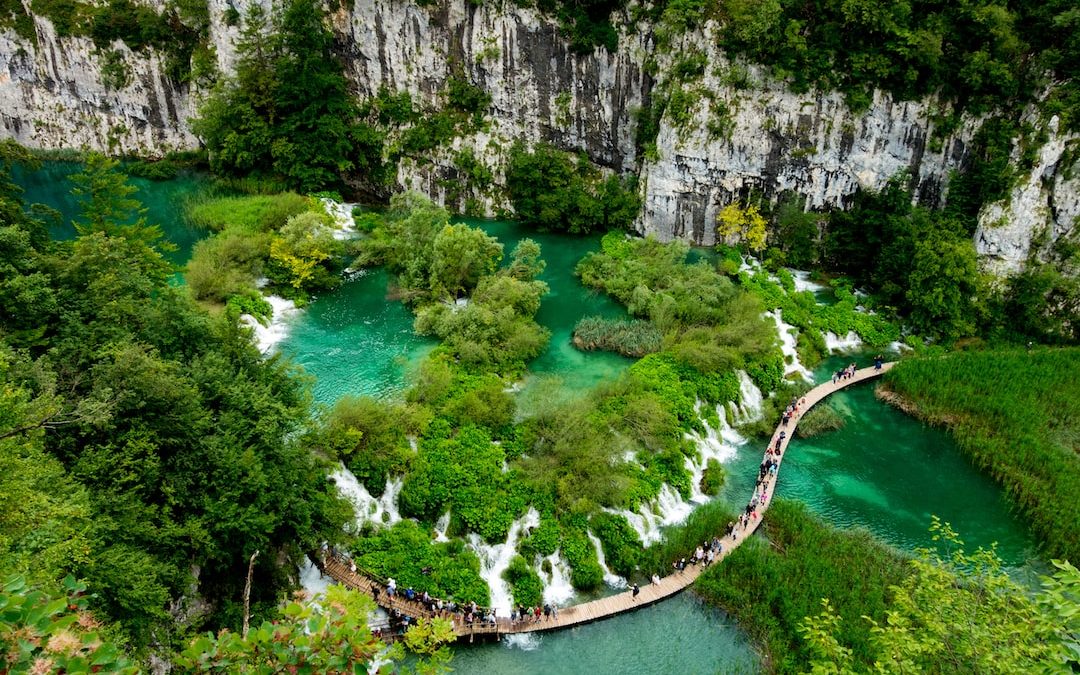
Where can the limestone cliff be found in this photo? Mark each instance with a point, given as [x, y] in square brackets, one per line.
[768, 139]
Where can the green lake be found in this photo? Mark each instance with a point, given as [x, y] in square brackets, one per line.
[883, 471]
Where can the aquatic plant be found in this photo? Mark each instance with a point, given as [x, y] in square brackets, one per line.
[634, 338]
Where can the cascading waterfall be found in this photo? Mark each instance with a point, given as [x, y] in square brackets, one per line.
[378, 511]
[276, 330]
[341, 212]
[803, 283]
[441, 526]
[713, 444]
[668, 509]
[610, 578]
[787, 346]
[749, 409]
[312, 580]
[848, 343]
[495, 559]
[557, 587]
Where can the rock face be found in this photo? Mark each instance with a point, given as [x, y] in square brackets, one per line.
[772, 139]
[52, 96]
[1041, 209]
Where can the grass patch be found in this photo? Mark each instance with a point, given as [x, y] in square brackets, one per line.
[770, 583]
[254, 213]
[821, 419]
[1016, 414]
[633, 338]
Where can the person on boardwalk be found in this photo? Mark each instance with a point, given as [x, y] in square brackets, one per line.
[878, 361]
[637, 589]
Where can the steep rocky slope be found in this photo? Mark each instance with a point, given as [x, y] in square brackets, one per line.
[773, 139]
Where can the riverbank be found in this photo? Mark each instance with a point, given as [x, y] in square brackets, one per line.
[1016, 415]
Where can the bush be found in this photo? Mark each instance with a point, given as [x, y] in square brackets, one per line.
[254, 213]
[712, 479]
[525, 585]
[405, 551]
[553, 190]
[622, 547]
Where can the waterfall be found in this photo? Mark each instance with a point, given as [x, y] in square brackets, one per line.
[380, 511]
[610, 578]
[669, 509]
[341, 212]
[849, 342]
[557, 587]
[749, 409]
[268, 336]
[495, 559]
[713, 444]
[787, 346]
[803, 283]
[312, 580]
[441, 527]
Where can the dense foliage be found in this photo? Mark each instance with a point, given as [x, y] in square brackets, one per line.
[770, 584]
[708, 322]
[333, 638]
[285, 238]
[436, 263]
[406, 553]
[288, 111]
[958, 612]
[982, 54]
[174, 443]
[1015, 414]
[557, 191]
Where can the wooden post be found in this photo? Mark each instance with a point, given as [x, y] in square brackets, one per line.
[247, 592]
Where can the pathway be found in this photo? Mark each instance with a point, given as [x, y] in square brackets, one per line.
[594, 610]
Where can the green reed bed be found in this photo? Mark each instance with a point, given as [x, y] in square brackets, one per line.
[1016, 414]
[769, 584]
[633, 338]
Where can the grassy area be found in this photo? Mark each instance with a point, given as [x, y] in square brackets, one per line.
[770, 584]
[1016, 414]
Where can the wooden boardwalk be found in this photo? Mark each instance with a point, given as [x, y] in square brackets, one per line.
[594, 610]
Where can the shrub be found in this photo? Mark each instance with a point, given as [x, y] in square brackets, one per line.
[525, 585]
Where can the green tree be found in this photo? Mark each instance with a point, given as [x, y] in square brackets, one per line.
[944, 286]
[461, 255]
[960, 613]
[107, 204]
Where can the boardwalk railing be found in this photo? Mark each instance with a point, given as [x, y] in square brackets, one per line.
[594, 610]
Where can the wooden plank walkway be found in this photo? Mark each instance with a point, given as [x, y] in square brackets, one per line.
[594, 610]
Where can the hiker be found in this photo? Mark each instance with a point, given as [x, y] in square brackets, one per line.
[637, 589]
[877, 362]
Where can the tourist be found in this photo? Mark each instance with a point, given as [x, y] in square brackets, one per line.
[536, 613]
[391, 587]
[555, 612]
[655, 579]
[375, 593]
[878, 360]
[637, 589]
[352, 566]
[547, 611]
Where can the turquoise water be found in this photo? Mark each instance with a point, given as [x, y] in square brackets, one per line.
[680, 635]
[889, 473]
[356, 341]
[565, 304]
[883, 471]
[51, 185]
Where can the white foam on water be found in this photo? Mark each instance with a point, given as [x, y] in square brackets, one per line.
[441, 526]
[803, 283]
[751, 398]
[848, 343]
[526, 642]
[312, 580]
[495, 559]
[557, 587]
[787, 346]
[610, 578]
[713, 444]
[381, 511]
[668, 509]
[277, 329]
[341, 212]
